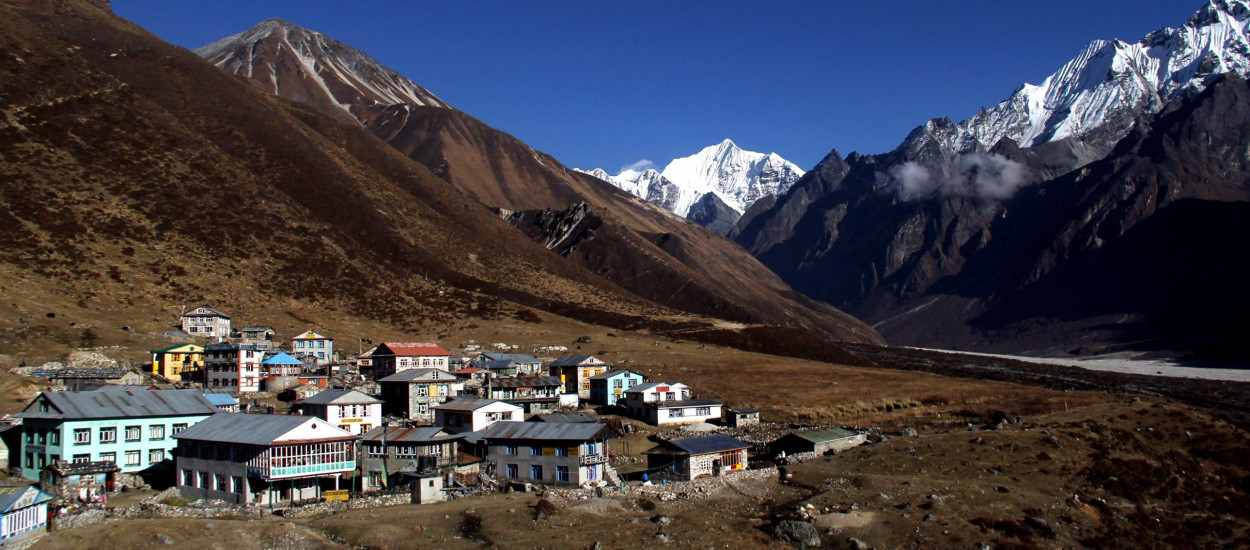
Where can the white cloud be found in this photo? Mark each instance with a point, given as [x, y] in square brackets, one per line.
[639, 166]
[986, 176]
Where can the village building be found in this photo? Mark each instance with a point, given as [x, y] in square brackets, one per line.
[660, 403]
[575, 371]
[257, 335]
[741, 417]
[263, 459]
[206, 322]
[169, 363]
[608, 388]
[473, 374]
[223, 401]
[519, 363]
[281, 371]
[350, 410]
[826, 441]
[471, 414]
[233, 367]
[23, 514]
[364, 360]
[392, 357]
[534, 394]
[694, 457]
[388, 452]
[414, 393]
[565, 417]
[83, 481]
[79, 379]
[547, 453]
[315, 347]
[300, 391]
[129, 427]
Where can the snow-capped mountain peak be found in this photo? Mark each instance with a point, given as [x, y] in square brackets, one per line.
[330, 72]
[1100, 92]
[737, 178]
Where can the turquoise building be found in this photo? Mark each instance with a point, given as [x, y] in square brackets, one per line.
[130, 426]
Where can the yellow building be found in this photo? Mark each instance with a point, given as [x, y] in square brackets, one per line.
[171, 361]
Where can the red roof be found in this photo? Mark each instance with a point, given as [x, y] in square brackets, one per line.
[469, 370]
[416, 348]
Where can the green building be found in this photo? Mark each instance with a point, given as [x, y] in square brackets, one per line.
[131, 426]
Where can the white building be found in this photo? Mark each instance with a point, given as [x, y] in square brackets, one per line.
[660, 403]
[23, 514]
[313, 346]
[471, 414]
[233, 367]
[350, 410]
[206, 322]
[392, 357]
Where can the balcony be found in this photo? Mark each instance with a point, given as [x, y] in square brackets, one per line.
[598, 458]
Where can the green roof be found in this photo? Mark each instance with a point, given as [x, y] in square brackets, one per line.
[821, 436]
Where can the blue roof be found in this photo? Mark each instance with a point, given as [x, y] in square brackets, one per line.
[282, 359]
[24, 496]
[219, 399]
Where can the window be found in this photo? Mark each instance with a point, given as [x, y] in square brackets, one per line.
[133, 433]
[203, 480]
[108, 435]
[592, 472]
[82, 458]
[364, 428]
[177, 429]
[82, 436]
[236, 484]
[188, 478]
[132, 458]
[220, 481]
[536, 472]
[674, 413]
[509, 450]
[562, 473]
[423, 390]
[375, 479]
[423, 408]
[536, 451]
[511, 471]
[30, 437]
[30, 460]
[562, 451]
[703, 411]
[109, 457]
[155, 456]
[616, 383]
[592, 448]
[54, 437]
[156, 433]
[321, 344]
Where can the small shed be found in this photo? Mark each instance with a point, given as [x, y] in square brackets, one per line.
[693, 457]
[82, 480]
[737, 418]
[826, 441]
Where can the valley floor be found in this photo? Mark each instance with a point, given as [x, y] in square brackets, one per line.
[1129, 363]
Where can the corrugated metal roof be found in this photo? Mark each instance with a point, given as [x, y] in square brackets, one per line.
[650, 385]
[822, 436]
[10, 495]
[525, 382]
[282, 358]
[128, 403]
[465, 403]
[498, 364]
[743, 411]
[255, 429]
[613, 372]
[209, 312]
[684, 403]
[549, 431]
[708, 444]
[581, 417]
[409, 435]
[571, 360]
[407, 349]
[419, 375]
[221, 399]
[518, 357]
[339, 397]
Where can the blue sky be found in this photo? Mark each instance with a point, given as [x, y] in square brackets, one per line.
[607, 84]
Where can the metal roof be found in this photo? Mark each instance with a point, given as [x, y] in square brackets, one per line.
[651, 385]
[128, 403]
[90, 373]
[743, 411]
[465, 403]
[498, 364]
[683, 403]
[220, 399]
[518, 357]
[405, 349]
[339, 397]
[257, 329]
[525, 382]
[822, 436]
[614, 372]
[548, 431]
[282, 358]
[209, 313]
[255, 429]
[707, 444]
[573, 361]
[11, 495]
[398, 434]
[581, 417]
[419, 375]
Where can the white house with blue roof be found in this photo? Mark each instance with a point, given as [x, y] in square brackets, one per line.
[131, 427]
